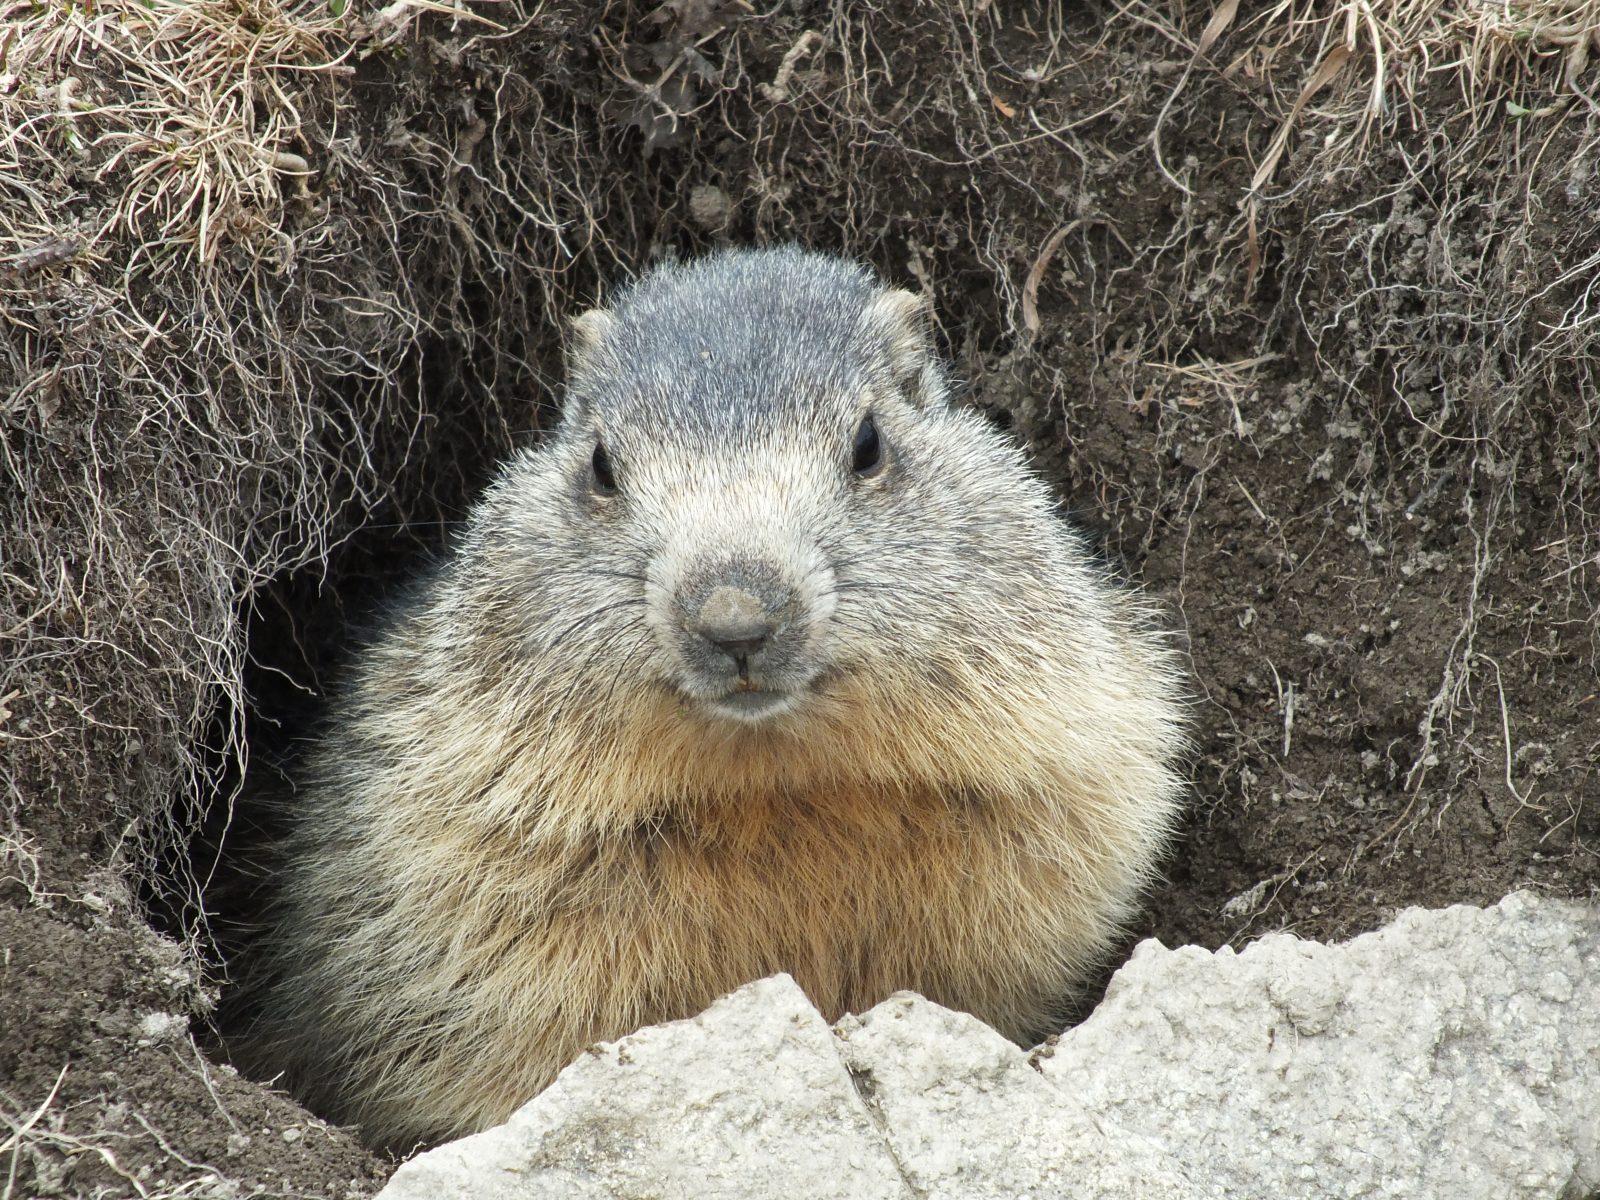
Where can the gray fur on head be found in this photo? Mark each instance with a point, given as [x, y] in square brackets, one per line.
[733, 340]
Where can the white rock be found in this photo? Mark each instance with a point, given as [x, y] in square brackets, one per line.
[968, 1116]
[1454, 1053]
[749, 1099]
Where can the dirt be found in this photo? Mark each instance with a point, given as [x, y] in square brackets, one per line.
[1360, 474]
[113, 1047]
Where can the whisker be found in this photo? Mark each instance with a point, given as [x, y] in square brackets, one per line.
[876, 552]
[585, 618]
[578, 685]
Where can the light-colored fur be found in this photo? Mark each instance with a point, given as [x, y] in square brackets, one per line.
[525, 831]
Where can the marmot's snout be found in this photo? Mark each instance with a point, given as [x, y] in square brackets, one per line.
[743, 634]
[738, 624]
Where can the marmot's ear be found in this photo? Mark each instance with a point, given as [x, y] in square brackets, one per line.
[900, 321]
[586, 334]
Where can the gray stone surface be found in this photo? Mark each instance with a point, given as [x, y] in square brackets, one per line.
[968, 1116]
[1453, 1053]
[748, 1099]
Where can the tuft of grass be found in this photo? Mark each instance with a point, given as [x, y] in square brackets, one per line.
[1394, 54]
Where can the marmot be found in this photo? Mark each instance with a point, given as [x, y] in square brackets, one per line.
[770, 658]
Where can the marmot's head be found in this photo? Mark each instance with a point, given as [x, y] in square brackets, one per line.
[759, 488]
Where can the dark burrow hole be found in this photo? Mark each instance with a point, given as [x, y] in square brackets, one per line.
[212, 888]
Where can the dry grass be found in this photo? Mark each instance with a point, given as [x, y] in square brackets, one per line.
[1389, 58]
[195, 272]
[1372, 71]
[194, 109]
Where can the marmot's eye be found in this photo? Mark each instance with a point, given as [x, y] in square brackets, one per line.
[604, 483]
[867, 453]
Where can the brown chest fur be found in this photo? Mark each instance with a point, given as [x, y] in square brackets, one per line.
[857, 894]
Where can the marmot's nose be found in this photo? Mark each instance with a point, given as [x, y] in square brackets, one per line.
[734, 621]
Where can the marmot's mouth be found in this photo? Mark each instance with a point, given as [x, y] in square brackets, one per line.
[751, 704]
